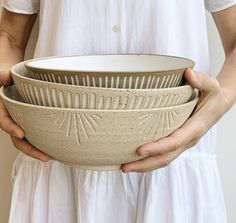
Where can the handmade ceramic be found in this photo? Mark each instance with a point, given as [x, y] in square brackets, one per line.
[93, 139]
[112, 71]
[72, 96]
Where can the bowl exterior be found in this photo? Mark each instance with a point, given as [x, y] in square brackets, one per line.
[95, 139]
[67, 96]
[165, 79]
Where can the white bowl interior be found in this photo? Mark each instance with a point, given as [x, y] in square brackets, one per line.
[12, 93]
[112, 63]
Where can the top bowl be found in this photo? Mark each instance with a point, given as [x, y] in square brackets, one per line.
[71, 96]
[115, 71]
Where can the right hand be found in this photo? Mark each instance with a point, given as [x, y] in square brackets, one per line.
[17, 133]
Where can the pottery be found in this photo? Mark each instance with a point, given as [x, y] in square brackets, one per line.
[93, 139]
[112, 71]
[71, 96]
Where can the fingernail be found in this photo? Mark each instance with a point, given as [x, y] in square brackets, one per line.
[44, 158]
[144, 153]
[17, 135]
[192, 72]
[127, 170]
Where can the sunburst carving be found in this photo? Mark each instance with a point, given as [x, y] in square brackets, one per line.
[156, 122]
[83, 126]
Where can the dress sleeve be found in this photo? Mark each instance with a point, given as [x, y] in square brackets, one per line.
[218, 5]
[22, 6]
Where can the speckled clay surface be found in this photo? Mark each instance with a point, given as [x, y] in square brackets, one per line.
[113, 71]
[71, 96]
[93, 139]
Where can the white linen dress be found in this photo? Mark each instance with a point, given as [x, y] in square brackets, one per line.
[186, 191]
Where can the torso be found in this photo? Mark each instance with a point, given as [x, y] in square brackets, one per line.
[79, 27]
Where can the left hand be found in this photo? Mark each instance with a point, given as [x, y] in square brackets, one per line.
[210, 108]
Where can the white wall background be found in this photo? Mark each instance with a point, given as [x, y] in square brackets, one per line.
[226, 144]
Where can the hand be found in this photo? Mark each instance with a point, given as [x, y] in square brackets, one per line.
[210, 108]
[16, 133]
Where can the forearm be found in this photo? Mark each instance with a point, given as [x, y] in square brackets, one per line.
[227, 78]
[9, 53]
[15, 31]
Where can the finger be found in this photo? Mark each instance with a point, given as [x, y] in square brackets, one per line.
[8, 125]
[5, 77]
[24, 146]
[160, 147]
[150, 163]
[201, 81]
[183, 138]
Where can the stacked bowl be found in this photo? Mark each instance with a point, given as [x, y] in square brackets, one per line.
[95, 111]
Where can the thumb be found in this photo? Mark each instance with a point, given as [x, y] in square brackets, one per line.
[5, 77]
[201, 81]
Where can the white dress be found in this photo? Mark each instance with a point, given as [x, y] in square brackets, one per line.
[186, 191]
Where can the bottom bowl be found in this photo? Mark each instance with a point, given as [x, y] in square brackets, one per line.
[93, 139]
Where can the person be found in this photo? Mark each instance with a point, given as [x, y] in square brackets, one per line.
[187, 188]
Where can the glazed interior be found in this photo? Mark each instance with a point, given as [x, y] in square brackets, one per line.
[12, 93]
[112, 63]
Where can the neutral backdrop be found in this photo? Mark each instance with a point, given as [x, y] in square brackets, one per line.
[226, 146]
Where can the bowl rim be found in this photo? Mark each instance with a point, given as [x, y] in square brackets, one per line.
[131, 90]
[193, 100]
[191, 64]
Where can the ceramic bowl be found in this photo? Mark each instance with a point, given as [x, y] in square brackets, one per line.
[93, 139]
[112, 71]
[72, 96]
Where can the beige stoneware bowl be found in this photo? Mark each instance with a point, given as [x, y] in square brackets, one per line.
[93, 139]
[72, 96]
[112, 71]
